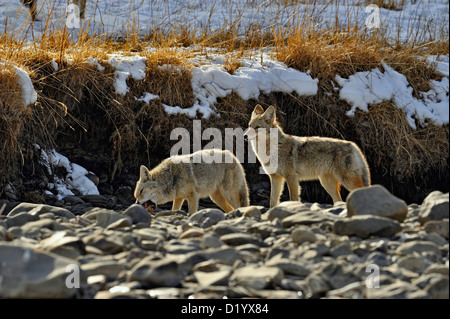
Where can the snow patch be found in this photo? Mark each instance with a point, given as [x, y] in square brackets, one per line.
[127, 66]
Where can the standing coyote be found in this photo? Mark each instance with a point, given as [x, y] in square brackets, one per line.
[32, 5]
[333, 162]
[192, 177]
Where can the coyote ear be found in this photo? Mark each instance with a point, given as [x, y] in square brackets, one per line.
[145, 173]
[270, 114]
[258, 110]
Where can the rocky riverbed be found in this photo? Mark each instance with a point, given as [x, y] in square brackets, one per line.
[372, 246]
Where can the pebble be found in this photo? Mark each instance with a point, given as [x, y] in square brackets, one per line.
[294, 250]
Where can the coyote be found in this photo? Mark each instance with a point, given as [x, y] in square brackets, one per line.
[31, 4]
[192, 177]
[333, 162]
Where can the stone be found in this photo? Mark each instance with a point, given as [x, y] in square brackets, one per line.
[437, 269]
[64, 244]
[365, 226]
[214, 278]
[226, 255]
[414, 263]
[288, 266]
[138, 214]
[397, 290]
[376, 200]
[27, 273]
[237, 239]
[440, 227]
[303, 234]
[317, 286]
[342, 249]
[21, 219]
[417, 246]
[167, 272]
[108, 218]
[434, 207]
[438, 288]
[110, 269]
[193, 232]
[286, 209]
[307, 218]
[207, 217]
[257, 277]
[40, 209]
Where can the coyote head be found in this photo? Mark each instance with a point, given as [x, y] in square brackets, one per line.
[148, 191]
[261, 119]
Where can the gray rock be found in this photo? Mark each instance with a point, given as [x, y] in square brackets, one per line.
[218, 278]
[419, 247]
[168, 272]
[376, 200]
[437, 269]
[27, 273]
[237, 239]
[397, 290]
[303, 234]
[434, 207]
[138, 214]
[365, 226]
[414, 263]
[40, 209]
[110, 269]
[288, 266]
[342, 249]
[378, 258]
[21, 219]
[64, 244]
[2, 233]
[257, 277]
[105, 243]
[440, 227]
[108, 218]
[286, 209]
[207, 217]
[308, 218]
[317, 286]
[438, 288]
[225, 255]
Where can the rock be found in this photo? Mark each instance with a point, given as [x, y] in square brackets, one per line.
[27, 273]
[237, 239]
[108, 218]
[21, 219]
[379, 259]
[63, 244]
[138, 214]
[438, 288]
[218, 278]
[397, 290]
[110, 269]
[285, 209]
[414, 263]
[2, 233]
[168, 272]
[440, 227]
[361, 202]
[437, 269]
[96, 200]
[342, 249]
[317, 286]
[308, 218]
[72, 200]
[434, 207]
[105, 243]
[289, 267]
[39, 209]
[257, 277]
[419, 247]
[365, 226]
[193, 232]
[207, 217]
[301, 234]
[225, 255]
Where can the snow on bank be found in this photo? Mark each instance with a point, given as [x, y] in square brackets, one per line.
[75, 178]
[256, 75]
[29, 95]
[133, 66]
[373, 87]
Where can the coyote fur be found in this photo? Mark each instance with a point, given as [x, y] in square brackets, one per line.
[332, 161]
[191, 177]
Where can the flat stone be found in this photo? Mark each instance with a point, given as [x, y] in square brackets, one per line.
[27, 273]
[365, 226]
[138, 214]
[286, 209]
[417, 246]
[303, 234]
[397, 290]
[40, 209]
[207, 217]
[308, 217]
[440, 227]
[257, 277]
